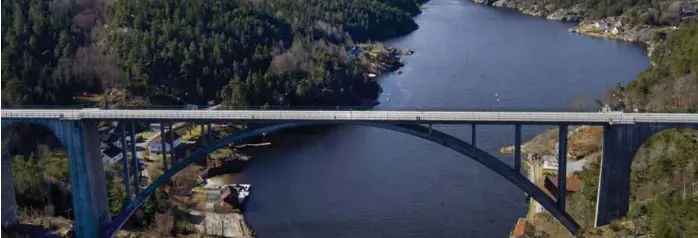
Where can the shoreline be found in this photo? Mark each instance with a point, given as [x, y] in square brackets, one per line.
[378, 58]
[609, 28]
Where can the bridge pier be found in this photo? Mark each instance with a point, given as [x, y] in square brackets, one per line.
[124, 160]
[90, 203]
[620, 142]
[562, 168]
[89, 192]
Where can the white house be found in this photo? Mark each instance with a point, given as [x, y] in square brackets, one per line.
[550, 163]
[111, 155]
[601, 25]
[156, 145]
[616, 31]
[539, 208]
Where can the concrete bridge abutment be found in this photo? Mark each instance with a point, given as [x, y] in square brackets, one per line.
[81, 143]
[620, 142]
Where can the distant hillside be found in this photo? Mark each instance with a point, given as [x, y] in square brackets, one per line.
[240, 52]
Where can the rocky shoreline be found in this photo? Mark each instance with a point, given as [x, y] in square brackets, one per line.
[606, 28]
[379, 59]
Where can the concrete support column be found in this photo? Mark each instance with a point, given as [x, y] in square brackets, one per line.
[10, 216]
[614, 180]
[473, 134]
[90, 203]
[172, 146]
[203, 134]
[517, 148]
[124, 159]
[620, 142]
[164, 149]
[209, 136]
[562, 167]
[136, 163]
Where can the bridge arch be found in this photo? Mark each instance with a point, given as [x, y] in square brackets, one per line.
[86, 173]
[648, 168]
[458, 145]
[8, 124]
[12, 131]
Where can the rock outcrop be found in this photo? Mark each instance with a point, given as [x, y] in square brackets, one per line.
[641, 34]
[550, 11]
[482, 1]
[574, 14]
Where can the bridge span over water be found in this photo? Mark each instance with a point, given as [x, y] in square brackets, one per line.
[77, 129]
[424, 117]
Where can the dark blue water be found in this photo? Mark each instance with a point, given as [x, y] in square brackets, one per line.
[366, 182]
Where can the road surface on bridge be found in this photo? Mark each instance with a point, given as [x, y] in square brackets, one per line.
[482, 117]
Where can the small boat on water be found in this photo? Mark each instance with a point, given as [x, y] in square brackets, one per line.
[242, 191]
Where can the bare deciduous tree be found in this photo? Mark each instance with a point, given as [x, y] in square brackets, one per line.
[164, 222]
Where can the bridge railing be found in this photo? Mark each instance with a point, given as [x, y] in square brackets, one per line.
[302, 108]
[325, 108]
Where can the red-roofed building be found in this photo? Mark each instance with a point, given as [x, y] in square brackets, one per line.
[574, 184]
[523, 229]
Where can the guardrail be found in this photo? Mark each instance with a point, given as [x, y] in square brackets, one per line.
[329, 108]
[361, 115]
[307, 108]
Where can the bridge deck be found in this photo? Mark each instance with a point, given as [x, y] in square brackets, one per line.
[387, 116]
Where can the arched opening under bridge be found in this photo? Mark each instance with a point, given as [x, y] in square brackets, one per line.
[35, 180]
[426, 133]
[664, 183]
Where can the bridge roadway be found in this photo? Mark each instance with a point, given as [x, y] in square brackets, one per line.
[425, 117]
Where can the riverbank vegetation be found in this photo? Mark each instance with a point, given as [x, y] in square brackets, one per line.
[671, 82]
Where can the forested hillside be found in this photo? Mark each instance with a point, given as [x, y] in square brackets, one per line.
[671, 83]
[40, 42]
[279, 52]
